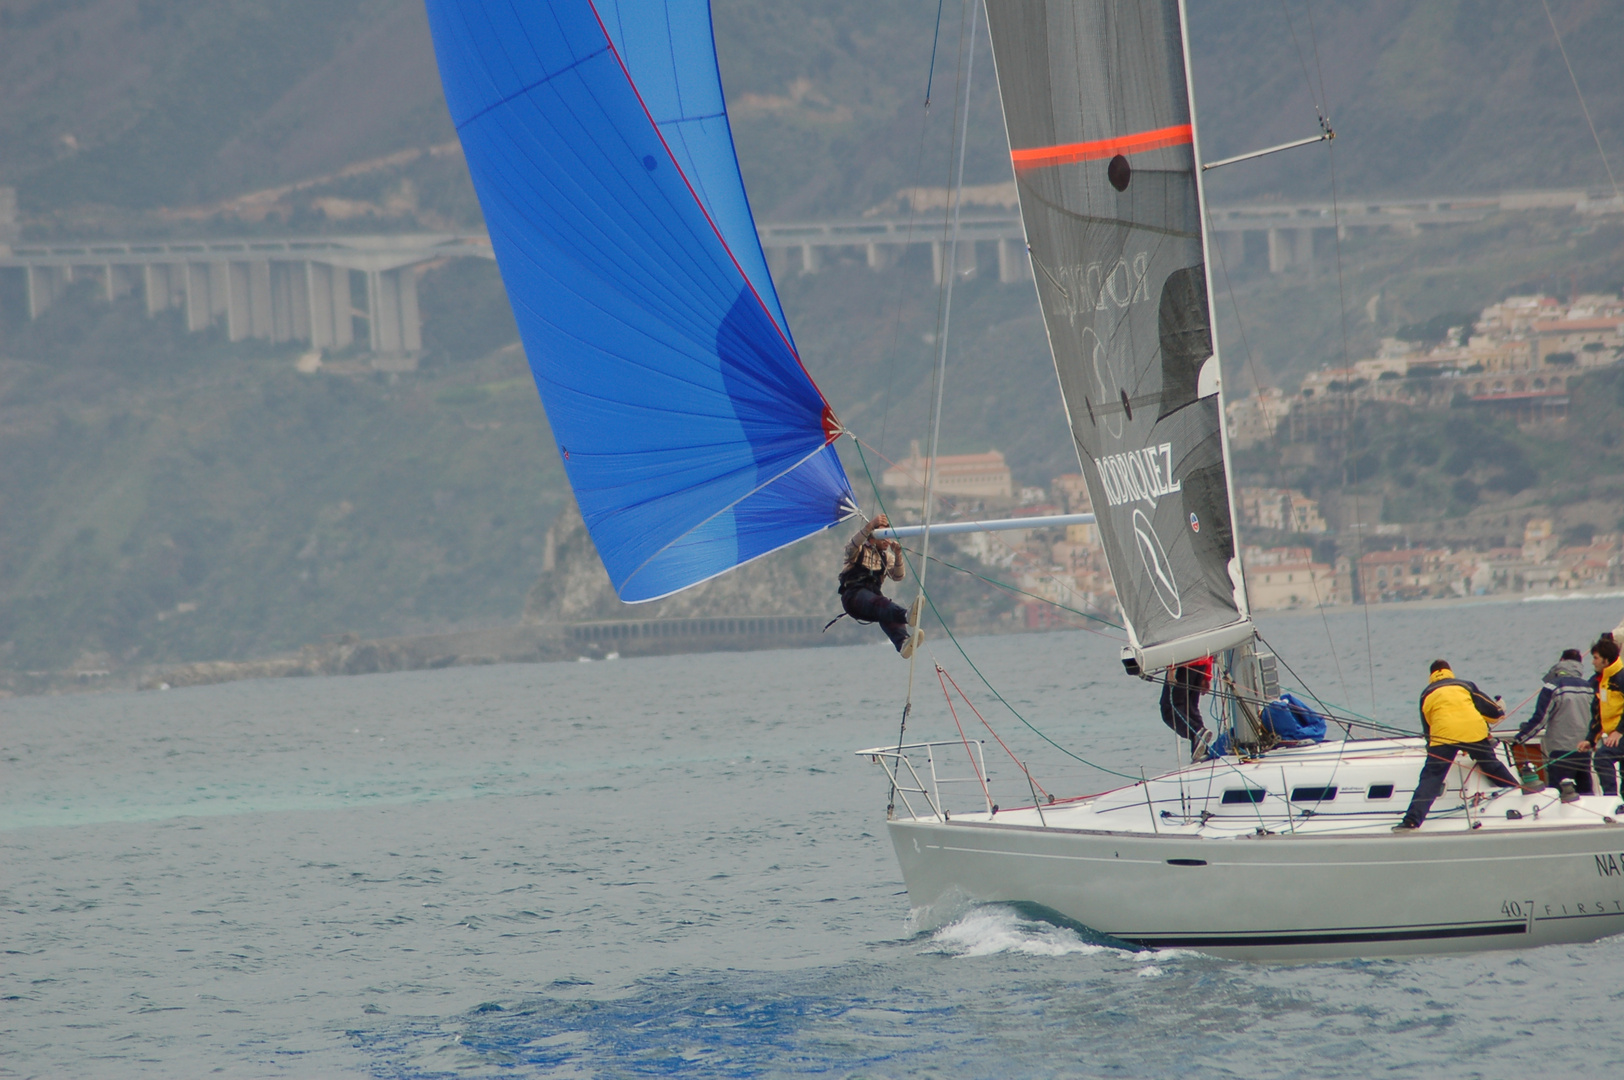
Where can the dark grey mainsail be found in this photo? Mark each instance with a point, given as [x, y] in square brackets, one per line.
[1102, 136]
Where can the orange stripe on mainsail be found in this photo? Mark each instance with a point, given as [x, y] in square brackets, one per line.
[1040, 156]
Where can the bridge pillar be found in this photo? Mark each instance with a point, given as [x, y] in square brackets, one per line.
[1013, 263]
[1304, 254]
[201, 286]
[1231, 249]
[248, 300]
[161, 285]
[239, 300]
[46, 285]
[939, 255]
[290, 301]
[811, 259]
[394, 322]
[880, 256]
[328, 301]
[1279, 251]
[122, 280]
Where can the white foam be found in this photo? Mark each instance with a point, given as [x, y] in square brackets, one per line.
[986, 931]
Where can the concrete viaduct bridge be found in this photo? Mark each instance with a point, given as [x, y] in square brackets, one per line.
[331, 292]
[325, 292]
[1287, 235]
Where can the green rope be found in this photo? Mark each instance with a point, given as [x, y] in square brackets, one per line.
[1022, 592]
[954, 639]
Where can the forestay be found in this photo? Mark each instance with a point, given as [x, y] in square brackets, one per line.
[598, 141]
[1102, 139]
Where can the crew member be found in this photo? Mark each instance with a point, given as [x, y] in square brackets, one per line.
[1455, 715]
[1605, 737]
[1182, 687]
[1565, 709]
[867, 564]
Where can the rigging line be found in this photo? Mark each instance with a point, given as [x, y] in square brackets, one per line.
[949, 277]
[1347, 357]
[1070, 590]
[1330, 708]
[1034, 596]
[991, 581]
[1342, 314]
[1347, 430]
[1302, 61]
[936, 36]
[963, 83]
[1257, 385]
[1313, 42]
[913, 214]
[943, 672]
[963, 738]
[875, 487]
[1582, 106]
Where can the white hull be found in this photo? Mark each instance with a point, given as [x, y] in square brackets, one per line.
[1269, 882]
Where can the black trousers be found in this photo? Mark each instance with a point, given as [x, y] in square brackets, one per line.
[1439, 759]
[871, 606]
[1181, 703]
[1608, 761]
[1573, 765]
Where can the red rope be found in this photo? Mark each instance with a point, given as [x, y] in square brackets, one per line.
[965, 739]
[941, 674]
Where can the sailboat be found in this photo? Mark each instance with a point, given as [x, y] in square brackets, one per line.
[597, 137]
[1264, 853]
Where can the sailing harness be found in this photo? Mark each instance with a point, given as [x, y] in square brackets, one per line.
[867, 571]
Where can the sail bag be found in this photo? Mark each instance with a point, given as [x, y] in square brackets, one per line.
[598, 142]
[1102, 138]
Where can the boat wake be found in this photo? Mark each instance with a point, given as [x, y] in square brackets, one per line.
[991, 929]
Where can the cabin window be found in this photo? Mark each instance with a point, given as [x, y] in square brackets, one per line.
[1244, 795]
[1313, 794]
[1380, 791]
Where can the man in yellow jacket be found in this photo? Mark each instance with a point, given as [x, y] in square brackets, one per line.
[1455, 715]
[1606, 710]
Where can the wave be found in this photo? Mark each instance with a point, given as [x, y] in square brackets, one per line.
[1002, 928]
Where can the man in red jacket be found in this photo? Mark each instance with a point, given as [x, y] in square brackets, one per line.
[1182, 687]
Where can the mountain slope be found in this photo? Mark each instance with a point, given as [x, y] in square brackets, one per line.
[143, 103]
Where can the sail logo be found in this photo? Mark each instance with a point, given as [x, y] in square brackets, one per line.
[1101, 286]
[1158, 567]
[1139, 475]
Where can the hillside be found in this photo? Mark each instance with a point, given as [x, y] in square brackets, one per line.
[170, 496]
[120, 106]
[173, 497]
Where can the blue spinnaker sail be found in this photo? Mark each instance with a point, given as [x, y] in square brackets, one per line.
[598, 141]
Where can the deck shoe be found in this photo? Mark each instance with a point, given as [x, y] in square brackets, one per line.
[1404, 828]
[912, 644]
[916, 609]
[1201, 747]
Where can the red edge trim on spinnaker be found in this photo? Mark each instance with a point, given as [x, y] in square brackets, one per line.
[1039, 157]
[828, 410]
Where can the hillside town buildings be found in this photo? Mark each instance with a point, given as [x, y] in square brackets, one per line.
[1518, 359]
[1058, 575]
[978, 476]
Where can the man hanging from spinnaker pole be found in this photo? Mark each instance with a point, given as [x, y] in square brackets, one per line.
[867, 564]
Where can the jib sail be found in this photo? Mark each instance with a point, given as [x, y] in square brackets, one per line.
[1102, 137]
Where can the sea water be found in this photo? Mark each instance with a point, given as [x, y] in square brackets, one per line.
[676, 866]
